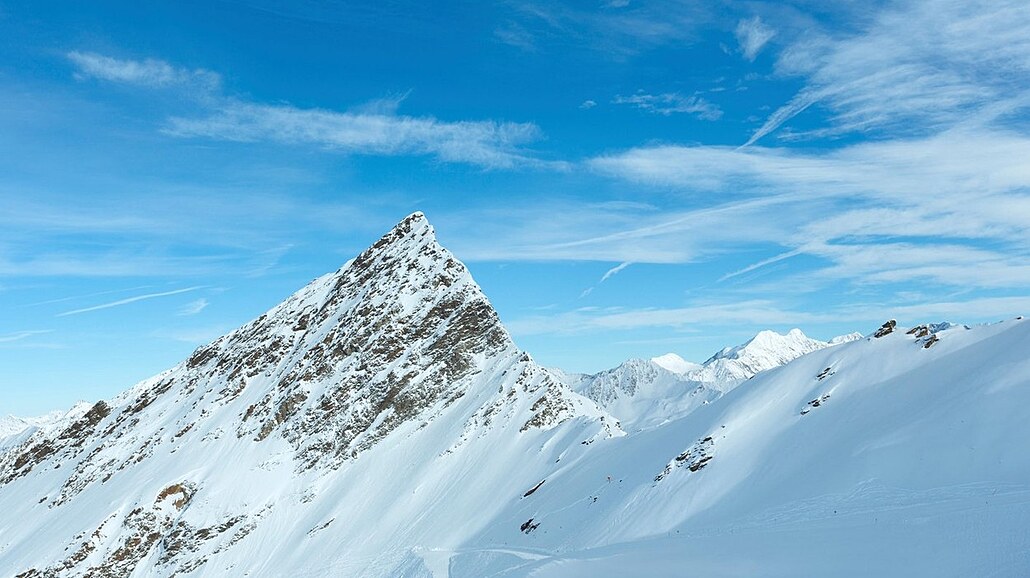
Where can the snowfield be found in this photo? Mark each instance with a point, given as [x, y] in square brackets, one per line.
[381, 422]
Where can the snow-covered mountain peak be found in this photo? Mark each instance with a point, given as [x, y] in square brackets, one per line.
[768, 341]
[846, 338]
[644, 393]
[765, 350]
[675, 363]
[398, 334]
[12, 426]
[395, 359]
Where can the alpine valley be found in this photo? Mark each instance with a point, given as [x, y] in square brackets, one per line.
[382, 422]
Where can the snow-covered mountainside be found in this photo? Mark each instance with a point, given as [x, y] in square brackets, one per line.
[357, 412]
[904, 455]
[381, 422]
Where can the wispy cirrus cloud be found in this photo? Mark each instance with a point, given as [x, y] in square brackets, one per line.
[485, 143]
[371, 129]
[515, 35]
[150, 72]
[961, 161]
[760, 264]
[126, 301]
[193, 307]
[85, 296]
[614, 271]
[671, 103]
[20, 335]
[758, 313]
[752, 35]
[612, 232]
[179, 231]
[607, 275]
[752, 312]
[917, 67]
[619, 29]
[948, 208]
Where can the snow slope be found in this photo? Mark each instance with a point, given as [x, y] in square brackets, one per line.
[877, 457]
[381, 422]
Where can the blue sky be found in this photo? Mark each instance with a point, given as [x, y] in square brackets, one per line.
[624, 178]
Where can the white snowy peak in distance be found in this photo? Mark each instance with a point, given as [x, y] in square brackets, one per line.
[847, 338]
[675, 363]
[10, 425]
[645, 393]
[363, 399]
[764, 351]
[13, 428]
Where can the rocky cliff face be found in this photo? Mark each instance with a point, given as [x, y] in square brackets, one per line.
[398, 338]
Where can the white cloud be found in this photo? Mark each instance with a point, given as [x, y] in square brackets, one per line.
[614, 271]
[485, 143]
[149, 73]
[121, 302]
[761, 313]
[607, 275]
[753, 312]
[752, 35]
[671, 103]
[760, 264]
[20, 335]
[618, 30]
[193, 307]
[918, 67]
[554, 231]
[588, 104]
[373, 128]
[979, 308]
[948, 210]
[796, 106]
[517, 36]
[95, 294]
[949, 166]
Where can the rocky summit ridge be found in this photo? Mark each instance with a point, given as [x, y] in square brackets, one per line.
[388, 344]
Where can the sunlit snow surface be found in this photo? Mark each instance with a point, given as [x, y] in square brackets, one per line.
[440, 449]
